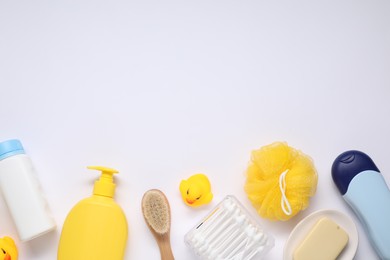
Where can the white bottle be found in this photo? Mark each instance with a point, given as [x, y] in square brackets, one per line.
[22, 192]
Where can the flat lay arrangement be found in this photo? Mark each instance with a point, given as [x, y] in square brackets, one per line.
[194, 130]
[280, 181]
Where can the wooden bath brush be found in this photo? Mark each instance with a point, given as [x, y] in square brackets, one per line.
[157, 215]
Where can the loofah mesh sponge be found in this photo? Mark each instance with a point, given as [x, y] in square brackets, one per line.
[280, 181]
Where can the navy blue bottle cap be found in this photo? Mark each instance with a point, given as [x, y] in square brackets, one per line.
[349, 164]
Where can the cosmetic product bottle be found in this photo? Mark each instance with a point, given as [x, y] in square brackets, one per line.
[363, 187]
[22, 192]
[96, 227]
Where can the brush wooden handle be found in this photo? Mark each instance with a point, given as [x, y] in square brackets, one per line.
[164, 245]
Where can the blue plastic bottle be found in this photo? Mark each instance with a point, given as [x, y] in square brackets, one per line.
[364, 188]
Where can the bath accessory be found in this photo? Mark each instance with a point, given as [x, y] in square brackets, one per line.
[157, 214]
[364, 189]
[22, 192]
[301, 230]
[228, 233]
[96, 227]
[280, 181]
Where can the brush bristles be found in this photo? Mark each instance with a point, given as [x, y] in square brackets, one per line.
[156, 211]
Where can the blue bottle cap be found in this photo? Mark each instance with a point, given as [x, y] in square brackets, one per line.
[10, 148]
[349, 164]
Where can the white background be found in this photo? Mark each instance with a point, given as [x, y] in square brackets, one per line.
[161, 90]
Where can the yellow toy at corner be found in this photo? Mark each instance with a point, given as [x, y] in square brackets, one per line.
[196, 190]
[280, 181]
[8, 250]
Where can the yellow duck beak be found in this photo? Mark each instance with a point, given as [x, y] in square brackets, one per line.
[189, 201]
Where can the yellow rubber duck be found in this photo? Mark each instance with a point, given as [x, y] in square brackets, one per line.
[196, 190]
[8, 250]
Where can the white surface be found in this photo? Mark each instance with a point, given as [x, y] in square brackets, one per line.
[164, 89]
[302, 229]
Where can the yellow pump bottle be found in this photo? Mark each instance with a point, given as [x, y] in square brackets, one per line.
[96, 227]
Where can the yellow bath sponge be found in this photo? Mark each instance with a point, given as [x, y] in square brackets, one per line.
[280, 181]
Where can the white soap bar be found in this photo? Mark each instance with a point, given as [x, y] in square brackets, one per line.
[325, 241]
